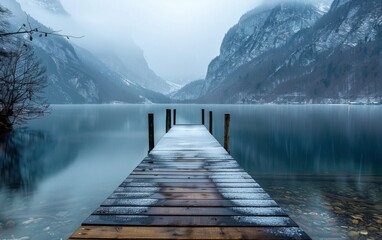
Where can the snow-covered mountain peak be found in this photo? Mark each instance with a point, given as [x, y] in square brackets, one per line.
[265, 28]
[323, 6]
[74, 74]
[338, 3]
[280, 54]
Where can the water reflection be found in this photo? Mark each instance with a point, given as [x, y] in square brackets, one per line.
[308, 139]
[23, 159]
[54, 173]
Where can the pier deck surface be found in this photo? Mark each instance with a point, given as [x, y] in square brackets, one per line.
[189, 187]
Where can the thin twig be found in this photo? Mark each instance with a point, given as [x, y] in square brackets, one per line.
[24, 29]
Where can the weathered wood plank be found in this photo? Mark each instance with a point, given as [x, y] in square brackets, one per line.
[183, 221]
[188, 203]
[187, 161]
[190, 233]
[188, 173]
[187, 155]
[191, 211]
[205, 164]
[190, 185]
[192, 196]
[189, 180]
[232, 176]
[187, 190]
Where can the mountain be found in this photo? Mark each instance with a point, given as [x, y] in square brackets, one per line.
[189, 91]
[333, 57]
[131, 63]
[337, 60]
[53, 6]
[267, 27]
[74, 74]
[260, 30]
[123, 56]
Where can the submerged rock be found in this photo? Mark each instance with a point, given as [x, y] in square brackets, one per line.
[10, 224]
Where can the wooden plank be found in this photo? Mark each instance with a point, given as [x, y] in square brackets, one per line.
[191, 211]
[189, 165]
[188, 173]
[183, 221]
[188, 233]
[187, 161]
[187, 170]
[189, 203]
[190, 185]
[205, 180]
[184, 155]
[192, 176]
[188, 190]
[192, 196]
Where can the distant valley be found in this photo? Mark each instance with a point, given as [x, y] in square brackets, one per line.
[76, 75]
[285, 52]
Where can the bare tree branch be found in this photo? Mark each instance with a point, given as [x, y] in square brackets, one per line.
[28, 29]
[22, 84]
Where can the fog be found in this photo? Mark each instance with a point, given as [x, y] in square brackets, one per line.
[178, 38]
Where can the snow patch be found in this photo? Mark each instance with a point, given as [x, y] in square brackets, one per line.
[145, 100]
[173, 87]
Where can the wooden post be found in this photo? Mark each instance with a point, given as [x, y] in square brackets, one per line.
[202, 116]
[227, 119]
[174, 116]
[211, 122]
[151, 131]
[168, 120]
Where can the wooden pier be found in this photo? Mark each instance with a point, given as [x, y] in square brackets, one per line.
[189, 187]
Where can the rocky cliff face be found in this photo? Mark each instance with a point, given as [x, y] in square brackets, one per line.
[132, 64]
[335, 59]
[189, 92]
[53, 6]
[127, 60]
[260, 30]
[74, 74]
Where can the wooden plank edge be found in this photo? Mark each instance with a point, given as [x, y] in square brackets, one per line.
[234, 233]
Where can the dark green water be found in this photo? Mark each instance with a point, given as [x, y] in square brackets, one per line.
[322, 164]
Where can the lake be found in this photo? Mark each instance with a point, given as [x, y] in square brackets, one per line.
[321, 163]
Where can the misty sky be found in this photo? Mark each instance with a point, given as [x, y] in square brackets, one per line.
[179, 37]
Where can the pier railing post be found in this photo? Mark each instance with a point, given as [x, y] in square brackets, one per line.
[211, 122]
[227, 119]
[202, 116]
[168, 120]
[151, 131]
[174, 117]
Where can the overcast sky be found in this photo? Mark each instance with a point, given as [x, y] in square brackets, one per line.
[179, 37]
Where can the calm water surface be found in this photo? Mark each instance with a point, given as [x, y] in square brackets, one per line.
[322, 164]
